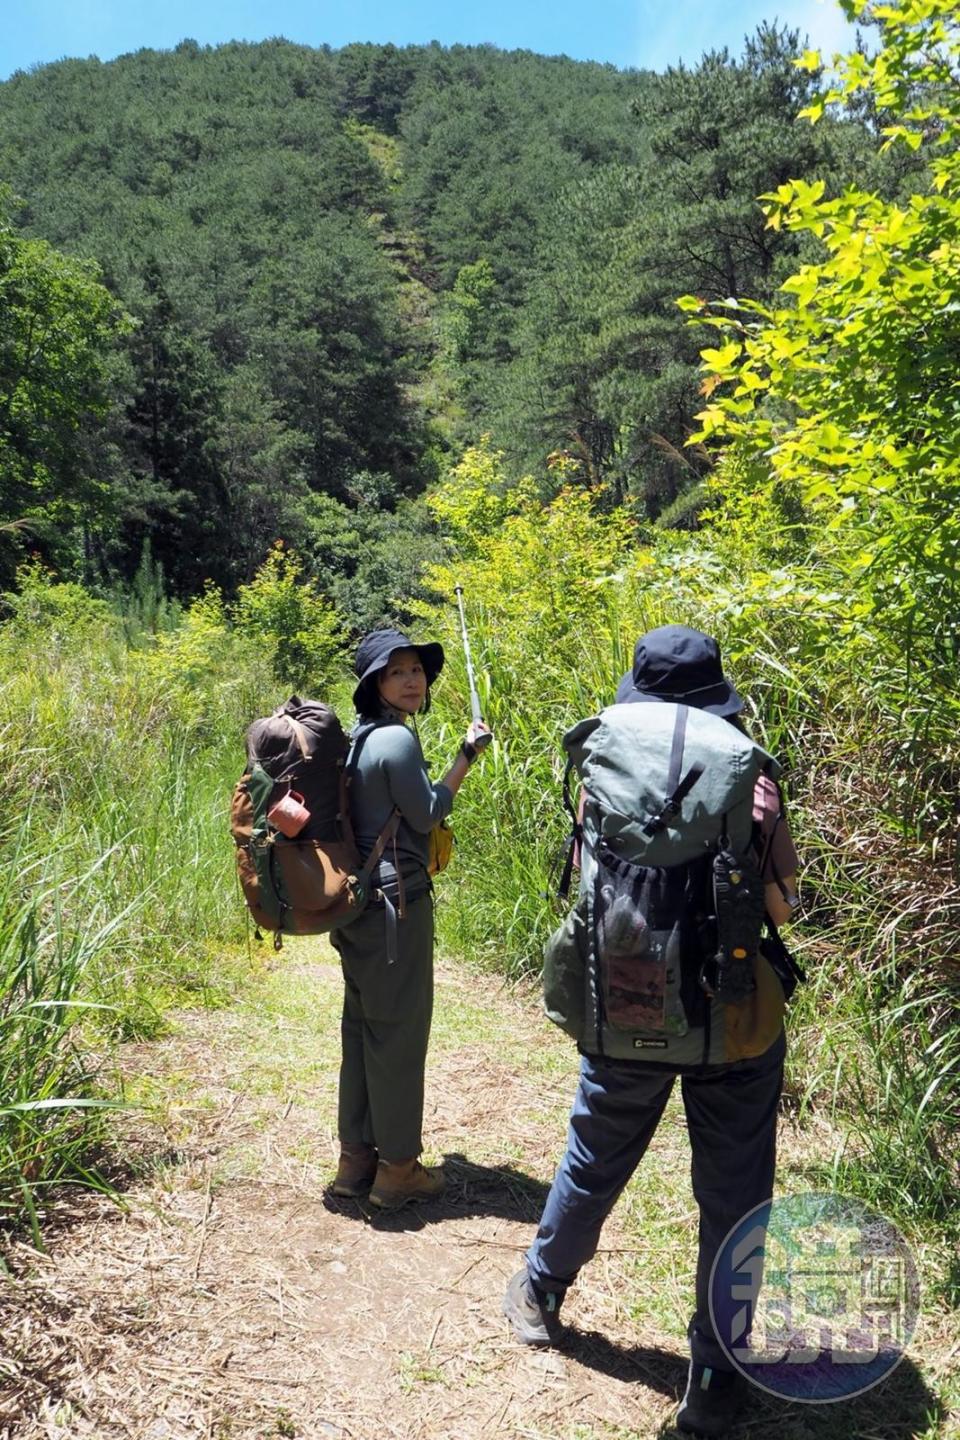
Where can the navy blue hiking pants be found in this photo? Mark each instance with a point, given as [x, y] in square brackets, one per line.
[731, 1119]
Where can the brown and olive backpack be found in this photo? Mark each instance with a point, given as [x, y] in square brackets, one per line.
[311, 882]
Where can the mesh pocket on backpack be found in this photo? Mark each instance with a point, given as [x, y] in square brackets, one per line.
[639, 913]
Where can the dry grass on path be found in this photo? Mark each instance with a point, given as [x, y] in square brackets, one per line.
[232, 1297]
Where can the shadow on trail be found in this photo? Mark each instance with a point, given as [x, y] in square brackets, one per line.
[902, 1407]
[500, 1192]
[661, 1370]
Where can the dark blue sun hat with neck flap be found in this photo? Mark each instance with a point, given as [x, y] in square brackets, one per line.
[374, 652]
[677, 663]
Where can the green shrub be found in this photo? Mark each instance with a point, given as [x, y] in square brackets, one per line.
[43, 607]
[285, 614]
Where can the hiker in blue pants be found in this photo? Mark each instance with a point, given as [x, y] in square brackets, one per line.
[730, 1084]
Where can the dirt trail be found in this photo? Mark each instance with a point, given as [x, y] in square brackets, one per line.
[233, 1297]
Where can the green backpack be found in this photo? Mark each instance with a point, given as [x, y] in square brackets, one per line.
[660, 957]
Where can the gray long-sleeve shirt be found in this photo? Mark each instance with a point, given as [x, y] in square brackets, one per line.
[392, 774]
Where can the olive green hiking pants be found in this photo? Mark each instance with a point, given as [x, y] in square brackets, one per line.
[385, 1028]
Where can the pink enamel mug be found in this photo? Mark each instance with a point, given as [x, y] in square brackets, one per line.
[289, 814]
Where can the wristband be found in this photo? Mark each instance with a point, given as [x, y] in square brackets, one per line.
[468, 751]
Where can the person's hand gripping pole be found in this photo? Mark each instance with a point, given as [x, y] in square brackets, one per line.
[478, 735]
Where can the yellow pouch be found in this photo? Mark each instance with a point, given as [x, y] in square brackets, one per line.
[441, 848]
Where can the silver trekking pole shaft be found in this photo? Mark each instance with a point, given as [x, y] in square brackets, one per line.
[483, 739]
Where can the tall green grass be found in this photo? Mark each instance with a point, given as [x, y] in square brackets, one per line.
[128, 820]
[117, 888]
[50, 1103]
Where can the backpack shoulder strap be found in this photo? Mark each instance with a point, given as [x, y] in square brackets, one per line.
[387, 835]
[348, 770]
[357, 741]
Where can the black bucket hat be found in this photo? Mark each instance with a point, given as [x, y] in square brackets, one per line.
[375, 650]
[676, 663]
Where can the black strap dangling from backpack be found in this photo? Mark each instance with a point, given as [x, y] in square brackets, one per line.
[677, 789]
[576, 835]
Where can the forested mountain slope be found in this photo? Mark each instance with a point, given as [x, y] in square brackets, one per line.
[342, 266]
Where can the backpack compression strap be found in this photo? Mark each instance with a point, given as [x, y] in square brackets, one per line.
[298, 732]
[576, 835]
[677, 789]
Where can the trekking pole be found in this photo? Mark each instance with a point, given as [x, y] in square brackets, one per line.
[484, 738]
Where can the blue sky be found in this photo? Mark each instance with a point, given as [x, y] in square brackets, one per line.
[647, 33]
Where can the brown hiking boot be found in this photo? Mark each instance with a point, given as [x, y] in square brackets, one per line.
[399, 1182]
[355, 1172]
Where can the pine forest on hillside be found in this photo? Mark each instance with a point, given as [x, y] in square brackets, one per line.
[295, 341]
[331, 270]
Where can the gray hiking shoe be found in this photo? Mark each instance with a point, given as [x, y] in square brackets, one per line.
[534, 1314]
[711, 1401]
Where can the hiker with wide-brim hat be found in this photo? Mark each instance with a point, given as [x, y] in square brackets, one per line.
[731, 1096]
[387, 952]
